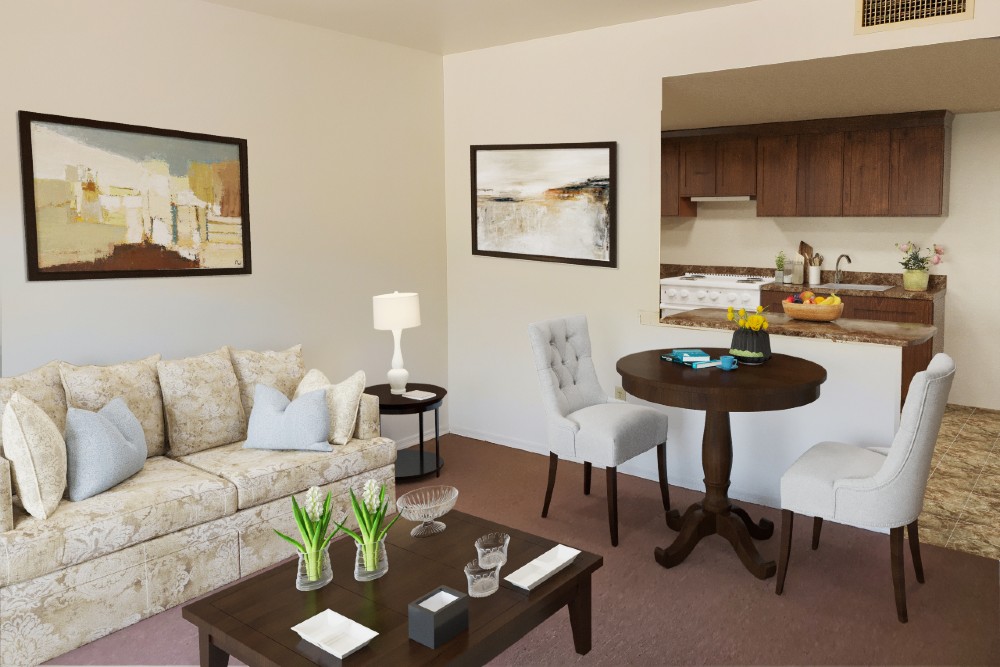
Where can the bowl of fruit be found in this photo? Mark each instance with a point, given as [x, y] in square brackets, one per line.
[808, 306]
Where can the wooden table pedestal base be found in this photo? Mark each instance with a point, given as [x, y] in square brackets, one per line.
[734, 524]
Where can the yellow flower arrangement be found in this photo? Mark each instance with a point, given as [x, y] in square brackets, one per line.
[755, 322]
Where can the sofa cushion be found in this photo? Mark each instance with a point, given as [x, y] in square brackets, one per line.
[162, 498]
[281, 370]
[43, 386]
[201, 397]
[261, 475]
[37, 453]
[6, 497]
[342, 401]
[103, 449]
[277, 423]
[93, 387]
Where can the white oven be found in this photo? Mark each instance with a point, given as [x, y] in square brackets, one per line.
[702, 290]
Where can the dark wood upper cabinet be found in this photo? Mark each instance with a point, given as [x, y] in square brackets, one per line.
[736, 166]
[888, 165]
[820, 177]
[917, 170]
[777, 166]
[697, 160]
[866, 173]
[671, 203]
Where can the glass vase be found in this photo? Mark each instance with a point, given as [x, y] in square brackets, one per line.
[314, 570]
[750, 347]
[915, 280]
[372, 561]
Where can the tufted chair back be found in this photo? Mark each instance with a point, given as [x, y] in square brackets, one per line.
[564, 365]
[894, 495]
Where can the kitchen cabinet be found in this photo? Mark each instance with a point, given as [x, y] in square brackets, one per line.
[886, 165]
[917, 170]
[671, 203]
[886, 309]
[777, 166]
[718, 167]
[866, 173]
[820, 175]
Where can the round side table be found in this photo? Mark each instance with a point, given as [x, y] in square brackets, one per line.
[410, 463]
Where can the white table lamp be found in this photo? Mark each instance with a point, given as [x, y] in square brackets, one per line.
[395, 312]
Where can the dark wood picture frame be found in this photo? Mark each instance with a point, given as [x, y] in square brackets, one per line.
[174, 243]
[599, 188]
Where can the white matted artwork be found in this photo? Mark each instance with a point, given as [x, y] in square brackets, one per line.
[547, 202]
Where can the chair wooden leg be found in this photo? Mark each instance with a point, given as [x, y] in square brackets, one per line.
[661, 467]
[918, 566]
[817, 527]
[553, 462]
[785, 550]
[898, 577]
[587, 468]
[612, 473]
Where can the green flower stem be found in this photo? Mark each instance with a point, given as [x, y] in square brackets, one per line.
[370, 552]
[314, 564]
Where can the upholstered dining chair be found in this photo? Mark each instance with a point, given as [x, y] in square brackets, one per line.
[873, 487]
[583, 422]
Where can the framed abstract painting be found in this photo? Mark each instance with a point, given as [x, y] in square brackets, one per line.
[546, 202]
[108, 200]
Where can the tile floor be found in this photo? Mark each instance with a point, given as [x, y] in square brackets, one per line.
[962, 503]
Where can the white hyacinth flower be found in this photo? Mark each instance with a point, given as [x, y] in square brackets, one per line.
[314, 504]
[370, 495]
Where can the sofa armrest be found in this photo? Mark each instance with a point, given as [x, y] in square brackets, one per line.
[368, 425]
[6, 497]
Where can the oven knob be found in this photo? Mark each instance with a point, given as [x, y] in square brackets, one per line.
[684, 294]
[701, 294]
[745, 298]
[714, 295]
[731, 297]
[671, 292]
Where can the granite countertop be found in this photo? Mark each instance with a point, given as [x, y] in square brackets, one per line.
[844, 330]
[935, 288]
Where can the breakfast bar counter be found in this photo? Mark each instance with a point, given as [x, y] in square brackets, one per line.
[898, 334]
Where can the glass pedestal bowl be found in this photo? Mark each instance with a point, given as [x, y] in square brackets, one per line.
[426, 505]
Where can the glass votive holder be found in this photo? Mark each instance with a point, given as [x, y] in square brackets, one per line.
[483, 581]
[492, 549]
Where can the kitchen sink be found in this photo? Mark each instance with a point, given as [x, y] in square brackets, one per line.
[853, 286]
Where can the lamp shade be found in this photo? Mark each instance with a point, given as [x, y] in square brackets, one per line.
[399, 310]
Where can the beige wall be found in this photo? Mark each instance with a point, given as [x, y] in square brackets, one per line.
[605, 85]
[345, 156]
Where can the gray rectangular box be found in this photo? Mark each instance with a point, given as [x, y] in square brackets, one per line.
[434, 628]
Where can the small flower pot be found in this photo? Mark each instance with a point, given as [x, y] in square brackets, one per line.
[750, 347]
[915, 280]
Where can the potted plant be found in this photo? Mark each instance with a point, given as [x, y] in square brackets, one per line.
[779, 266]
[372, 561]
[916, 267]
[313, 520]
[751, 343]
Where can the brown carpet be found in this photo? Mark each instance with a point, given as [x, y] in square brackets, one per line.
[837, 607]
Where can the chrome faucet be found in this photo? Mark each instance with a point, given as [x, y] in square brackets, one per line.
[836, 276]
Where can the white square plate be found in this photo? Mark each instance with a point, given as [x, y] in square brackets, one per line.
[543, 567]
[334, 633]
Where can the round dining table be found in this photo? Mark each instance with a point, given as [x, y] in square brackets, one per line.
[780, 383]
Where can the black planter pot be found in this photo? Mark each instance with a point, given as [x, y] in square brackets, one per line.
[750, 347]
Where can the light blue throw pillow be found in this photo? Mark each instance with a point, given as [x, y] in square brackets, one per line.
[103, 448]
[277, 423]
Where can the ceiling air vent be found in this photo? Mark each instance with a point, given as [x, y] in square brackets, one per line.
[875, 15]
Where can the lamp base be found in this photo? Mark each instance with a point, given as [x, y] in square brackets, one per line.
[397, 380]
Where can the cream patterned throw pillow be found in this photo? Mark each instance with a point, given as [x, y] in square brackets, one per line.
[201, 397]
[281, 370]
[92, 387]
[37, 453]
[43, 387]
[341, 400]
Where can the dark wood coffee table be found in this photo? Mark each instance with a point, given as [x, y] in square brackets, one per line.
[252, 619]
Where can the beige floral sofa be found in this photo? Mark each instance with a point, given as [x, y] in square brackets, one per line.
[201, 512]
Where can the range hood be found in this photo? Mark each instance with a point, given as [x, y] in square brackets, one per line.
[721, 198]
